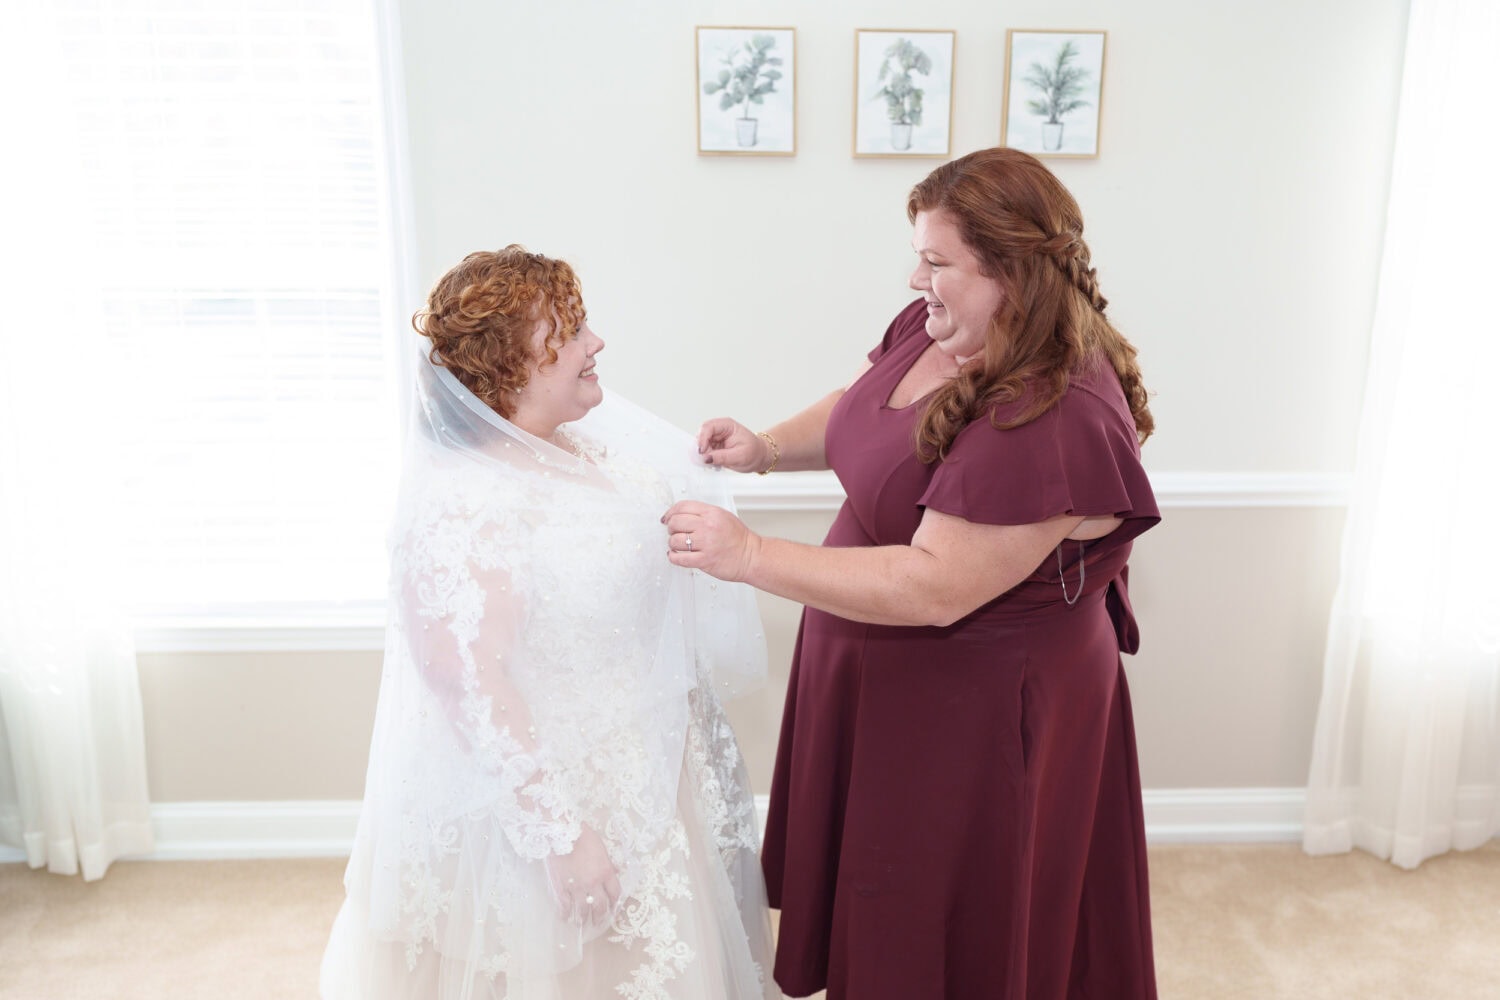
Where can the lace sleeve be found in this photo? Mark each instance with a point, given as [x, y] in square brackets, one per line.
[463, 614]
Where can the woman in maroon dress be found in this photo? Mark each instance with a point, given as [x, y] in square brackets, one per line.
[956, 809]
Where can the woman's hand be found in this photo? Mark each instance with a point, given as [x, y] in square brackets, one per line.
[732, 445]
[584, 881]
[702, 536]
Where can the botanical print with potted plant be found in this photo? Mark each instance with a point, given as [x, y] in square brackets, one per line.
[746, 91]
[903, 92]
[1053, 86]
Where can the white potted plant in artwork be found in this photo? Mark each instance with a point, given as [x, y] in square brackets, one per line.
[749, 75]
[903, 98]
[1060, 84]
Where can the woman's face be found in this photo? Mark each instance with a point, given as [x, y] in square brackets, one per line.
[561, 392]
[960, 299]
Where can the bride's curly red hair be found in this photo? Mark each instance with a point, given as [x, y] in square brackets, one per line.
[482, 319]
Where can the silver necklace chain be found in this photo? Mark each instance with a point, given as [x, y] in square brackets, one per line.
[1082, 573]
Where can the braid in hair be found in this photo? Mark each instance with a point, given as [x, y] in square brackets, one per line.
[1070, 254]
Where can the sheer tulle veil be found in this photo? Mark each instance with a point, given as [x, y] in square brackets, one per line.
[451, 420]
[543, 666]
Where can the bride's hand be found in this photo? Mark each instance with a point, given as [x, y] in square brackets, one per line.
[584, 881]
[702, 536]
[732, 445]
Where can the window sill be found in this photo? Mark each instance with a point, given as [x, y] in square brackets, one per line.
[347, 627]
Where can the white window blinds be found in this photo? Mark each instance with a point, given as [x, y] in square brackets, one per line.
[235, 154]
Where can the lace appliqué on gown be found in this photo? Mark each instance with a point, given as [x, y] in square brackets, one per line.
[587, 754]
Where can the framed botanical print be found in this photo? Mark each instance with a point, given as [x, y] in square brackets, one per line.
[747, 91]
[903, 92]
[1054, 87]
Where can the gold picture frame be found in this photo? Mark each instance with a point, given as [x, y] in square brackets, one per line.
[746, 85]
[903, 92]
[1050, 77]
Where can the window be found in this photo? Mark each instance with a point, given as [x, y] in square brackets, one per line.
[236, 170]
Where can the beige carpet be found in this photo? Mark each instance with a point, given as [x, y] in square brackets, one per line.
[1253, 921]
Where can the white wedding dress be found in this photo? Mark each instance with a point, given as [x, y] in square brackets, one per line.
[547, 669]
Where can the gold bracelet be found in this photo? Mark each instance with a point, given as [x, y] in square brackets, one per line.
[775, 454]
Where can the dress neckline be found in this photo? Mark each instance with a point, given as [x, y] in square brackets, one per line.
[902, 370]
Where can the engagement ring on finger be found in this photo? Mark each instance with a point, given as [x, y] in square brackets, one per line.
[589, 900]
[689, 542]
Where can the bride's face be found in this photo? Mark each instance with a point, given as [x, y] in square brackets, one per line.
[564, 391]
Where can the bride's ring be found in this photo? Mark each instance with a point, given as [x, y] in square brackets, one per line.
[589, 900]
[688, 541]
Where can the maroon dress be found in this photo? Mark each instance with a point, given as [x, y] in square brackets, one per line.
[956, 812]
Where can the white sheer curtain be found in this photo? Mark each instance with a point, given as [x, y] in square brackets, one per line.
[72, 757]
[1406, 759]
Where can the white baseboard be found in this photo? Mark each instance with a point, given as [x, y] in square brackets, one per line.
[1223, 815]
[203, 831]
[195, 831]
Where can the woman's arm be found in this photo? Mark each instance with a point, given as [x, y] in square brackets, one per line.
[799, 439]
[951, 567]
[468, 670]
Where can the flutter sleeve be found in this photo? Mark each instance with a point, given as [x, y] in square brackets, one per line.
[1080, 458]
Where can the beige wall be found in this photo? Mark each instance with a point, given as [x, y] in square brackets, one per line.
[1235, 215]
[257, 726]
[1233, 608]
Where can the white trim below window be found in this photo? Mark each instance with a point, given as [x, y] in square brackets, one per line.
[305, 628]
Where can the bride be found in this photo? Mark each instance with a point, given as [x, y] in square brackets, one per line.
[555, 805]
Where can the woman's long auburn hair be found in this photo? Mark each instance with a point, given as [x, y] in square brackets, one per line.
[481, 318]
[1027, 232]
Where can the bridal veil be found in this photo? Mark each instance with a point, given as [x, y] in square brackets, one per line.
[547, 670]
